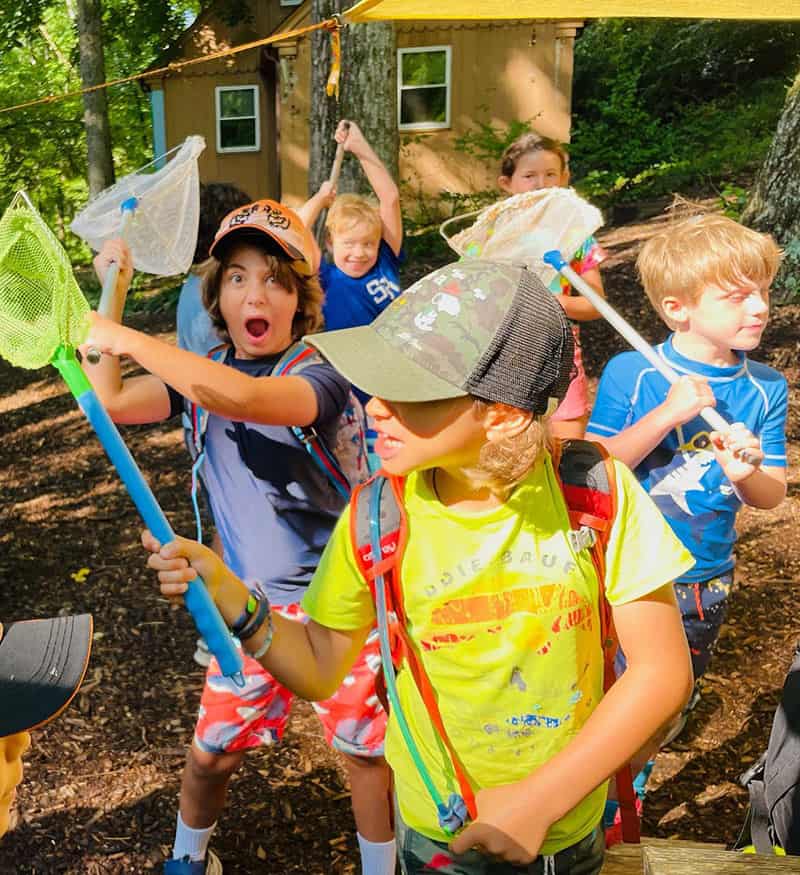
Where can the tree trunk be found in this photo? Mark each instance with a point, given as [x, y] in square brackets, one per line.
[95, 103]
[774, 205]
[368, 96]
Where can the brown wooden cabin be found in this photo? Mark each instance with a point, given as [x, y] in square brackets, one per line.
[253, 108]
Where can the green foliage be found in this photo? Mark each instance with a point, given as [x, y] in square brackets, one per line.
[424, 68]
[43, 149]
[662, 105]
[733, 200]
[487, 142]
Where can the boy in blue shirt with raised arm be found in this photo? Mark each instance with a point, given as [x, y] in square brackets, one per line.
[364, 240]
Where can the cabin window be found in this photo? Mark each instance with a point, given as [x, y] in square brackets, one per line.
[423, 88]
[291, 2]
[238, 128]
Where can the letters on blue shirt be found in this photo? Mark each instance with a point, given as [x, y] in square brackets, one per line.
[349, 301]
[681, 474]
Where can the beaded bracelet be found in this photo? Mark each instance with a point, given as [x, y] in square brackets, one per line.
[265, 644]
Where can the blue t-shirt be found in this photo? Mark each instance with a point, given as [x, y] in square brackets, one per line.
[682, 474]
[273, 508]
[350, 302]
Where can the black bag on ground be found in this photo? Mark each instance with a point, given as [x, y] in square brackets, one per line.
[774, 781]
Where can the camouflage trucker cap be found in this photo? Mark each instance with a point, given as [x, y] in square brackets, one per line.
[476, 327]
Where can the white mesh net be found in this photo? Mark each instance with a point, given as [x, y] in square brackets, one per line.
[521, 228]
[163, 233]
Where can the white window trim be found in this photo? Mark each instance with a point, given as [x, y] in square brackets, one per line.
[424, 126]
[290, 2]
[257, 108]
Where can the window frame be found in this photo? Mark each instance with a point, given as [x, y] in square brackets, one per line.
[218, 90]
[447, 85]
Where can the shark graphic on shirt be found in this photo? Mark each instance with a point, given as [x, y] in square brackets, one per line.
[686, 475]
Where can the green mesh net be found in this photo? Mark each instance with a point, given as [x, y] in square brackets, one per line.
[41, 305]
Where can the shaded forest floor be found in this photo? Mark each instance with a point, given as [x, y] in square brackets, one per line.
[101, 783]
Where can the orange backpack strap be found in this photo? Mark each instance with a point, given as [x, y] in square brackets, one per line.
[588, 483]
[393, 538]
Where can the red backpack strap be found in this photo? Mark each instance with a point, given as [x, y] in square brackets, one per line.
[588, 482]
[393, 520]
[394, 537]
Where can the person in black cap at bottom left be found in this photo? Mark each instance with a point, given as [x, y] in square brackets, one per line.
[42, 664]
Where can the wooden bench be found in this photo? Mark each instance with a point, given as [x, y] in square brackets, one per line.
[671, 857]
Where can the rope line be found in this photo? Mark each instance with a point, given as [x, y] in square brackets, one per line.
[331, 24]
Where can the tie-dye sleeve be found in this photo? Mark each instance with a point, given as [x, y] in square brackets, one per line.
[589, 256]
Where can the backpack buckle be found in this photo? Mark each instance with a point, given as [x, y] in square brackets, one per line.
[583, 538]
[306, 435]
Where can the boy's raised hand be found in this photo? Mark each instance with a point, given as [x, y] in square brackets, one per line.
[738, 451]
[506, 829]
[114, 252]
[349, 135]
[686, 398]
[326, 194]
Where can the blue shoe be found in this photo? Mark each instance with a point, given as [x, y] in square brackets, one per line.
[210, 866]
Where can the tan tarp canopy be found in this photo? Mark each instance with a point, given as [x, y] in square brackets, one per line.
[382, 10]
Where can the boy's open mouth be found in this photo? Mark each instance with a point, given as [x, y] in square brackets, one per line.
[256, 328]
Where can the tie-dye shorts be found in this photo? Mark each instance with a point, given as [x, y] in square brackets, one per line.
[233, 718]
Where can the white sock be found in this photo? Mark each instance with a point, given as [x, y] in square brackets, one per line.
[191, 843]
[377, 858]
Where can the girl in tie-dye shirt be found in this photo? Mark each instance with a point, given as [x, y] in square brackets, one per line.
[532, 162]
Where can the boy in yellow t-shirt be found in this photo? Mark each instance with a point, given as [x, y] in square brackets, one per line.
[501, 607]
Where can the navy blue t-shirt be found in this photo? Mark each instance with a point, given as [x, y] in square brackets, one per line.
[350, 302]
[273, 508]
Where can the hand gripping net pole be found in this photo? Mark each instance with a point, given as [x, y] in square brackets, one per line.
[41, 305]
[521, 228]
[163, 231]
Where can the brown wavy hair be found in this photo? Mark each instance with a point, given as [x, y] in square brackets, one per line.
[531, 143]
[308, 318]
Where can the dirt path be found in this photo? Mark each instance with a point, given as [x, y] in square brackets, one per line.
[101, 784]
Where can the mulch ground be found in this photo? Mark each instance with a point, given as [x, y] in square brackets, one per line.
[101, 783]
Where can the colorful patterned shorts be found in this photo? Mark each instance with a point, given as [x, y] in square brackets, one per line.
[233, 718]
[420, 855]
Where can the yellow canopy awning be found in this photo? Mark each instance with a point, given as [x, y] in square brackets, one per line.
[383, 10]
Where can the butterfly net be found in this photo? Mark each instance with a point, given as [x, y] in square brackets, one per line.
[521, 228]
[163, 233]
[41, 305]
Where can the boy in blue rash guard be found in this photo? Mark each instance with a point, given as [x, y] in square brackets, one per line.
[708, 278]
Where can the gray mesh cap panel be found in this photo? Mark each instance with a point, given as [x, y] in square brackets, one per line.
[530, 358]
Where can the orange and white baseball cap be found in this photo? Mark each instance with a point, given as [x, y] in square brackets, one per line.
[278, 222]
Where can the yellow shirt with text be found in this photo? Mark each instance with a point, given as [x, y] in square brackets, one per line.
[504, 615]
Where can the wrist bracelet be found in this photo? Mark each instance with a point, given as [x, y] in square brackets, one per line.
[256, 621]
[265, 644]
[250, 608]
